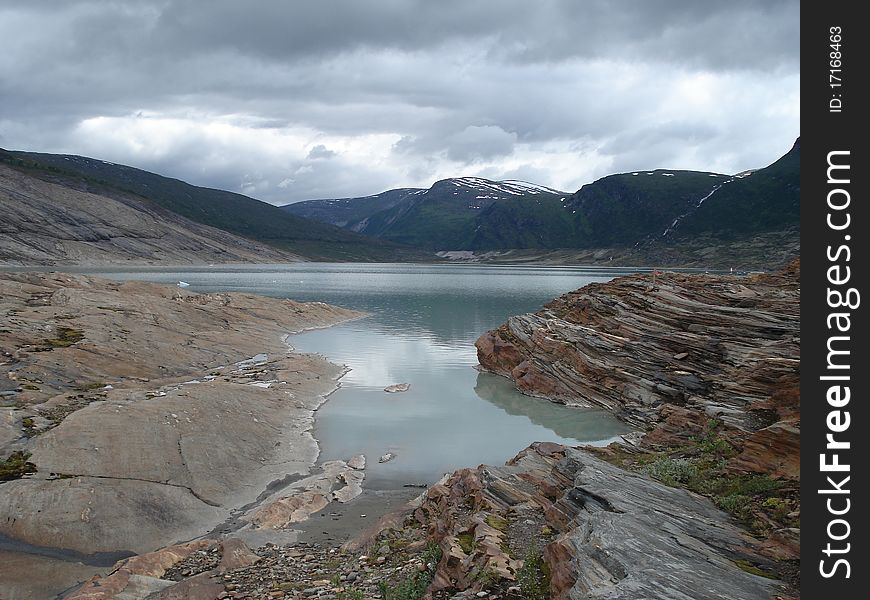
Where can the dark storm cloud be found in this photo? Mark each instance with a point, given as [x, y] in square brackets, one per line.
[289, 100]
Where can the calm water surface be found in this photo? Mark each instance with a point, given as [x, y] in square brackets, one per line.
[421, 330]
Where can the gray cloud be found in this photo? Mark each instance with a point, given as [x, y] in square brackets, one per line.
[292, 100]
[320, 151]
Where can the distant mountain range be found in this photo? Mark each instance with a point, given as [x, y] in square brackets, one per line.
[454, 214]
[72, 209]
[259, 224]
[659, 207]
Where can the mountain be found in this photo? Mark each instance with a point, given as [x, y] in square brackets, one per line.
[748, 203]
[465, 213]
[57, 222]
[239, 215]
[621, 210]
[653, 213]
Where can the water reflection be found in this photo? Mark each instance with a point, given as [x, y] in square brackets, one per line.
[569, 423]
[421, 330]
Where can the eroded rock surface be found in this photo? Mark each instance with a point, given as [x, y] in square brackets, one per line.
[667, 353]
[46, 222]
[707, 368]
[149, 411]
[604, 533]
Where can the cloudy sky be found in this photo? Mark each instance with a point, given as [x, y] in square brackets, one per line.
[291, 100]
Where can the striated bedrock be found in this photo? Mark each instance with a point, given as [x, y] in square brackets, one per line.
[149, 412]
[667, 354]
[59, 220]
[603, 532]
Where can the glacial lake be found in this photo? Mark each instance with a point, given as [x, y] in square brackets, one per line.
[423, 322]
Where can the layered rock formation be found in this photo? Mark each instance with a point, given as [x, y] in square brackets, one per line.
[667, 353]
[707, 368]
[603, 533]
[150, 413]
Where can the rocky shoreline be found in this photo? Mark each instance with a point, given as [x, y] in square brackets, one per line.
[700, 503]
[147, 414]
[707, 368]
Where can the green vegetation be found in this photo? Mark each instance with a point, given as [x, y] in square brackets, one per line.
[672, 471]
[66, 336]
[642, 205]
[750, 568]
[534, 576]
[29, 426]
[414, 586]
[757, 500]
[16, 466]
[497, 522]
[350, 594]
[94, 385]
[767, 200]
[487, 578]
[466, 542]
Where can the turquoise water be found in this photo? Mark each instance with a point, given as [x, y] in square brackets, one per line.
[421, 330]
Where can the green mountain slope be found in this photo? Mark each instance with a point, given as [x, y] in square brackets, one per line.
[618, 211]
[764, 200]
[349, 212]
[447, 216]
[235, 213]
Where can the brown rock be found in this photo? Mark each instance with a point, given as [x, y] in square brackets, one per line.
[622, 535]
[236, 555]
[614, 345]
[198, 587]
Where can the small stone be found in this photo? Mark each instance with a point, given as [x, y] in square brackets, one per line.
[482, 594]
[381, 560]
[397, 387]
[386, 457]
[681, 355]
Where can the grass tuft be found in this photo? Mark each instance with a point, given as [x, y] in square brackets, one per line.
[16, 466]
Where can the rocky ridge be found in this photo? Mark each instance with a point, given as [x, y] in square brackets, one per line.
[54, 222]
[706, 367]
[655, 348]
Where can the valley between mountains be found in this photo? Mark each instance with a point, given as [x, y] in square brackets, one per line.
[159, 443]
